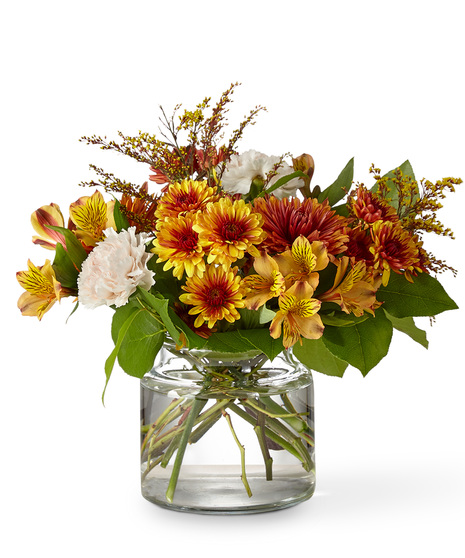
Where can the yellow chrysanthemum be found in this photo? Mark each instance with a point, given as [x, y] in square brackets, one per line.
[186, 196]
[215, 296]
[42, 289]
[297, 315]
[228, 229]
[177, 244]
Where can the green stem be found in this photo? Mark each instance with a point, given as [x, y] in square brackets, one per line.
[260, 432]
[293, 419]
[285, 444]
[242, 450]
[197, 406]
[165, 418]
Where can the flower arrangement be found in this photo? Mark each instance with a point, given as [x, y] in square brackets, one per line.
[239, 242]
[236, 252]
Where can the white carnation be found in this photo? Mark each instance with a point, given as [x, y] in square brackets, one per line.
[242, 169]
[114, 269]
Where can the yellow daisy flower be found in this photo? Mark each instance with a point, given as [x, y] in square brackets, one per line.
[186, 196]
[228, 229]
[177, 244]
[215, 296]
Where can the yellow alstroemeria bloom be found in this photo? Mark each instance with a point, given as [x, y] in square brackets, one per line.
[354, 290]
[48, 215]
[266, 284]
[297, 315]
[92, 215]
[302, 261]
[42, 289]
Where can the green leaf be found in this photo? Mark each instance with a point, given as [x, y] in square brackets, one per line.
[127, 315]
[243, 341]
[120, 220]
[362, 345]
[229, 342]
[314, 354]
[407, 326]
[160, 305]
[424, 297]
[284, 180]
[142, 340]
[138, 336]
[340, 186]
[170, 319]
[74, 248]
[393, 194]
[65, 271]
[341, 319]
[262, 340]
[164, 280]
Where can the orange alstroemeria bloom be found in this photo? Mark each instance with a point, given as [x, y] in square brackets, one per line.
[48, 215]
[92, 215]
[302, 261]
[267, 283]
[42, 289]
[297, 315]
[354, 290]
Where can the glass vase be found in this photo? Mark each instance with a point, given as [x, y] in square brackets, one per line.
[226, 433]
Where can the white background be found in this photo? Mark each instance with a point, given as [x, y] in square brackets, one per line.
[382, 83]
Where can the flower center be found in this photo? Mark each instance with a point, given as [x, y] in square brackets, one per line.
[188, 242]
[188, 198]
[232, 231]
[216, 297]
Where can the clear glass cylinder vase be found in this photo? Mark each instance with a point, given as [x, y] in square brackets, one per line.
[226, 433]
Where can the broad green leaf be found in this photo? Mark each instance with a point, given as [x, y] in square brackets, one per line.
[142, 340]
[340, 186]
[265, 315]
[229, 342]
[65, 271]
[173, 323]
[129, 315]
[362, 345]
[314, 354]
[407, 326]
[393, 195]
[262, 340]
[424, 297]
[341, 319]
[160, 306]
[284, 180]
[120, 220]
[74, 248]
[164, 280]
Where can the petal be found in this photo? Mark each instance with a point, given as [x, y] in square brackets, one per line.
[264, 265]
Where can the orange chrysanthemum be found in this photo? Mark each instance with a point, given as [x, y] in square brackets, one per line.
[188, 195]
[214, 297]
[228, 229]
[141, 210]
[287, 219]
[177, 244]
[358, 246]
[370, 207]
[394, 249]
